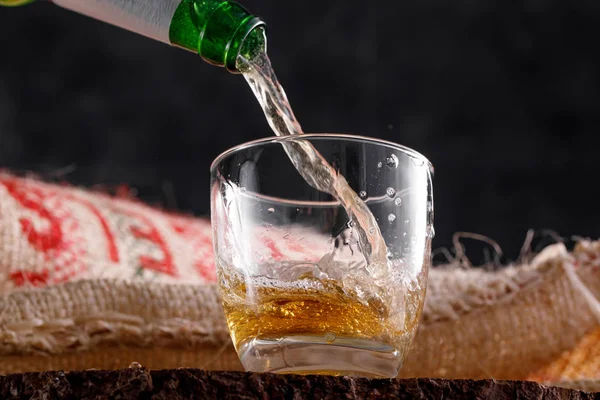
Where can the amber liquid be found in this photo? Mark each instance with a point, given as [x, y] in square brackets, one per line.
[320, 310]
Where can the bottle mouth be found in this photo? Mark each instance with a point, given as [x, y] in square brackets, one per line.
[227, 30]
[248, 40]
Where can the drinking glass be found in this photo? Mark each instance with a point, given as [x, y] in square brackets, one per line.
[300, 288]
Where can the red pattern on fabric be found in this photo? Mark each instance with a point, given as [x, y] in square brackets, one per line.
[32, 199]
[35, 279]
[151, 233]
[113, 252]
[276, 254]
[49, 228]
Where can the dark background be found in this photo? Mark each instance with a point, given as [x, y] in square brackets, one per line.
[501, 96]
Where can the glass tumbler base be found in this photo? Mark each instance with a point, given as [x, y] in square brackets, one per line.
[315, 355]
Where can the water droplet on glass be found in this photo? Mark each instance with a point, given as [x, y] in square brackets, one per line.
[271, 210]
[398, 201]
[330, 337]
[363, 194]
[418, 162]
[391, 217]
[392, 161]
[391, 192]
[404, 234]
[379, 164]
[414, 238]
[407, 221]
[372, 231]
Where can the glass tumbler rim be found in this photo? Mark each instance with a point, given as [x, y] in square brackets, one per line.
[337, 136]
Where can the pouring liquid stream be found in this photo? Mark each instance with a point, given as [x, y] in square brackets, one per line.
[311, 165]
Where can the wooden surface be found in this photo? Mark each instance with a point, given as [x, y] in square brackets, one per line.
[138, 383]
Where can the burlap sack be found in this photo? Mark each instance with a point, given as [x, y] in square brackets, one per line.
[90, 281]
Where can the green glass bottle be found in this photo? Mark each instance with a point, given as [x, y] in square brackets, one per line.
[217, 30]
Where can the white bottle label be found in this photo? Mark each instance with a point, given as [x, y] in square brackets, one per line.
[151, 18]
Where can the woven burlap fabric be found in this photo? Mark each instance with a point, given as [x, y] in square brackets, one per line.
[51, 234]
[574, 368]
[90, 281]
[506, 324]
[512, 335]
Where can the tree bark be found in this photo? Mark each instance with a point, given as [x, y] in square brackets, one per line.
[139, 383]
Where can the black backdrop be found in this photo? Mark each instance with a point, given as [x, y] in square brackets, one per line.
[502, 98]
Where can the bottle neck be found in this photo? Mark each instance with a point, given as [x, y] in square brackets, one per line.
[217, 30]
